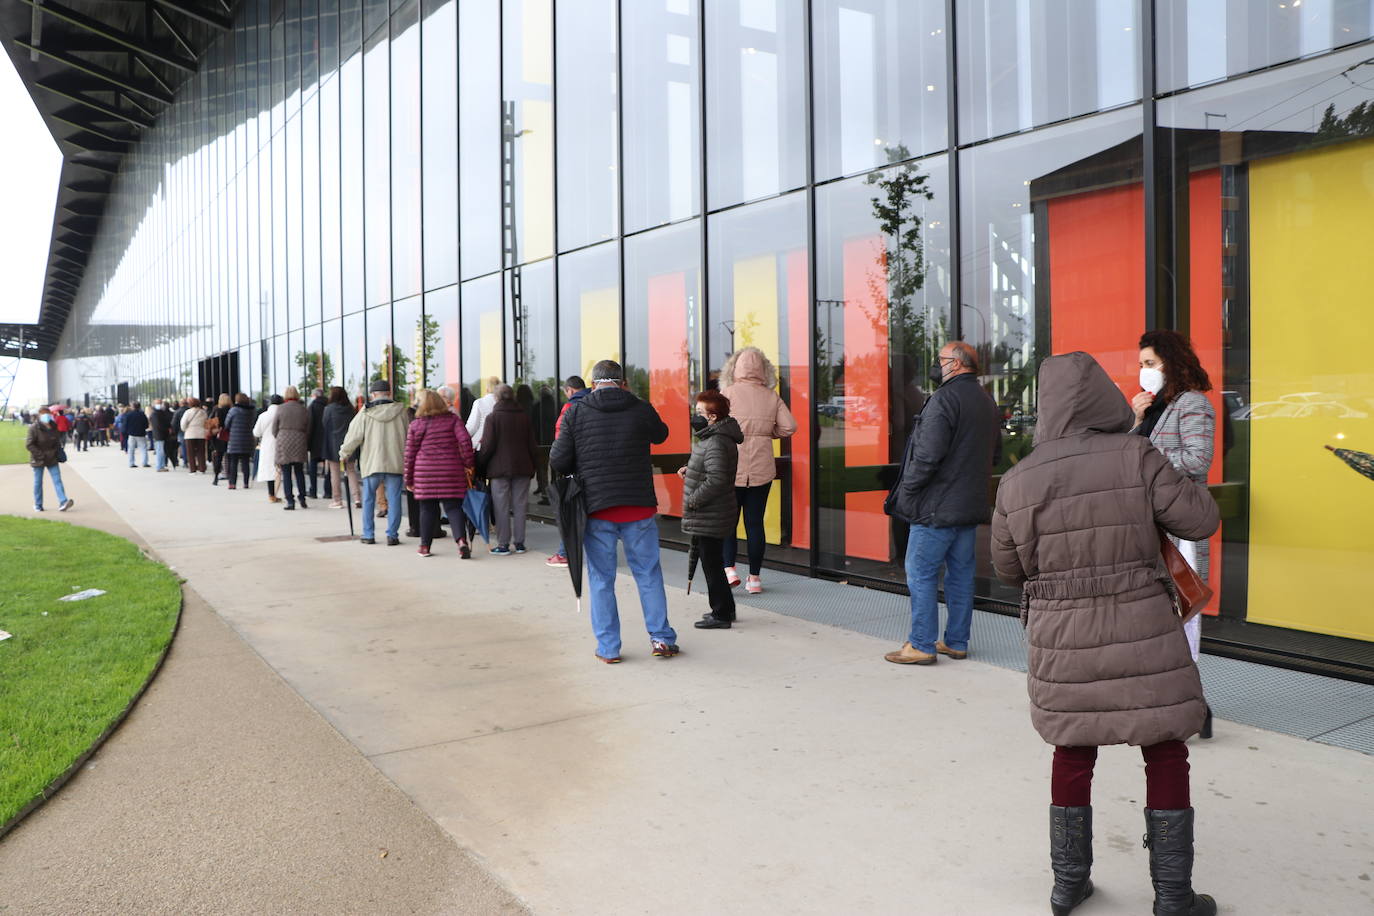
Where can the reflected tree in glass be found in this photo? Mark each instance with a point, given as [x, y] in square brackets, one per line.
[317, 370]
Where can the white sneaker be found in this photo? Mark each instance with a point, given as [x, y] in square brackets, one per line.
[731, 576]
[66, 505]
[753, 586]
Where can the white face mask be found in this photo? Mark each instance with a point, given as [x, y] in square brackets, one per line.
[1152, 380]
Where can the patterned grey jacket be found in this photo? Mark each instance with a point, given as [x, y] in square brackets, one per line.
[1186, 435]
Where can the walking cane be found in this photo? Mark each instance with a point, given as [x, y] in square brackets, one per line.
[348, 498]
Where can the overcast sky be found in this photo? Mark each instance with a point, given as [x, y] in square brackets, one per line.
[30, 168]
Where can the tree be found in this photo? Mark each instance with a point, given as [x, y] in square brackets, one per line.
[317, 370]
[1358, 122]
[393, 368]
[428, 336]
[901, 262]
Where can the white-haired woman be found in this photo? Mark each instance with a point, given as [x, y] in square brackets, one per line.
[748, 380]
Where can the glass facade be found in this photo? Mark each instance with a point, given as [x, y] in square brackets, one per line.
[442, 191]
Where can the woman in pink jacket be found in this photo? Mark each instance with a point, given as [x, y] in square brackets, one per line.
[438, 461]
[748, 379]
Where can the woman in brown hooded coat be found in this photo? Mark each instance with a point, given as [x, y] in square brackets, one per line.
[1075, 524]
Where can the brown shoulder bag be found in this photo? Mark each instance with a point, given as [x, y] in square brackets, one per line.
[1189, 592]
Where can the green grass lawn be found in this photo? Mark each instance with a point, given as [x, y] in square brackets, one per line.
[71, 667]
[12, 437]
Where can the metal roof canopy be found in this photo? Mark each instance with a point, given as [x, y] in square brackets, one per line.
[100, 73]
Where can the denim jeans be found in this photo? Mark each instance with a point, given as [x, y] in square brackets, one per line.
[160, 450]
[642, 554]
[136, 443]
[393, 483]
[55, 472]
[927, 549]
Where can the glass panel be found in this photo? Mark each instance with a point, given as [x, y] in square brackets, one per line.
[1045, 63]
[329, 38]
[292, 23]
[479, 136]
[331, 351]
[1054, 261]
[482, 332]
[355, 371]
[383, 357]
[405, 151]
[310, 53]
[351, 181]
[755, 99]
[413, 341]
[527, 136]
[879, 81]
[310, 207]
[377, 170]
[1271, 196]
[588, 309]
[331, 266]
[662, 112]
[441, 317]
[882, 311]
[440, 37]
[760, 297]
[295, 264]
[1202, 40]
[587, 136]
[531, 324]
[663, 341]
[350, 27]
[276, 253]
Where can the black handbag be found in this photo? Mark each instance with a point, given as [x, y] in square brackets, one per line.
[61, 455]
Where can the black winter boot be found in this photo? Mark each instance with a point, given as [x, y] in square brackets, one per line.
[1169, 837]
[1071, 857]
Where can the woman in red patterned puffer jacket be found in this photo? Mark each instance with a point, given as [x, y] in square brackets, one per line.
[439, 460]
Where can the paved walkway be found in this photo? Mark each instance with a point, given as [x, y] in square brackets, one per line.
[779, 767]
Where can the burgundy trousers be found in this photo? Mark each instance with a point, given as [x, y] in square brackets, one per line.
[1166, 776]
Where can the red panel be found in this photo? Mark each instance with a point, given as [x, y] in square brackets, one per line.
[865, 352]
[1204, 291]
[668, 360]
[452, 342]
[867, 529]
[799, 393]
[668, 490]
[1097, 279]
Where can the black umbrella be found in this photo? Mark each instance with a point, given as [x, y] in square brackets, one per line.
[348, 500]
[693, 557]
[572, 523]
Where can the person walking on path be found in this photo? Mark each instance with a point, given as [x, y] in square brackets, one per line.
[193, 422]
[1075, 527]
[439, 458]
[81, 430]
[217, 435]
[44, 443]
[942, 493]
[748, 380]
[268, 472]
[176, 442]
[291, 438]
[338, 413]
[378, 434]
[242, 440]
[160, 428]
[1172, 411]
[574, 389]
[136, 432]
[119, 423]
[481, 409]
[710, 509]
[605, 440]
[507, 457]
[318, 452]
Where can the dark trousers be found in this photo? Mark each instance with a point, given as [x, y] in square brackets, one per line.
[217, 455]
[169, 447]
[1166, 776]
[429, 518]
[413, 515]
[312, 470]
[752, 503]
[296, 468]
[195, 455]
[237, 461]
[717, 586]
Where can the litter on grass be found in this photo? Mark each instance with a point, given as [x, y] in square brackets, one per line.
[4, 635]
[82, 595]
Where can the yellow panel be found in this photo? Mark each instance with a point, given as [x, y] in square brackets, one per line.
[756, 325]
[1311, 515]
[490, 345]
[536, 176]
[536, 35]
[600, 328]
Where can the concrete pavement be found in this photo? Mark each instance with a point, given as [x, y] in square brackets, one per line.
[780, 766]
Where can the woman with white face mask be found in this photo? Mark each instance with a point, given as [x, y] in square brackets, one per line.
[1176, 416]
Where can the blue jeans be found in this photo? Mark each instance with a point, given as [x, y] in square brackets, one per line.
[160, 450]
[55, 472]
[926, 551]
[641, 553]
[393, 483]
[136, 443]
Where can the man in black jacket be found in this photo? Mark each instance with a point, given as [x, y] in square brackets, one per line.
[942, 493]
[604, 438]
[316, 443]
[136, 432]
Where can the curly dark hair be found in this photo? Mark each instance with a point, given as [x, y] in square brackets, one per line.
[1182, 369]
[716, 403]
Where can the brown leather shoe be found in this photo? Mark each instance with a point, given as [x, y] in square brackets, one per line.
[907, 655]
[943, 649]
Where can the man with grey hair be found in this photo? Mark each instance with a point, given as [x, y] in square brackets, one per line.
[942, 493]
[605, 439]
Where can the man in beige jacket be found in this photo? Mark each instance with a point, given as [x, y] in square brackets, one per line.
[378, 434]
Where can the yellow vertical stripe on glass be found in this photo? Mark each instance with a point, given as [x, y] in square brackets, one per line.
[600, 328]
[490, 349]
[756, 325]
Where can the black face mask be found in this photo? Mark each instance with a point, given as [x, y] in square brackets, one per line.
[935, 375]
[699, 422]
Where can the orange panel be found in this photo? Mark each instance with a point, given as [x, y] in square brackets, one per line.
[452, 343]
[668, 360]
[799, 393]
[1204, 289]
[668, 490]
[1097, 278]
[867, 530]
[865, 352]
